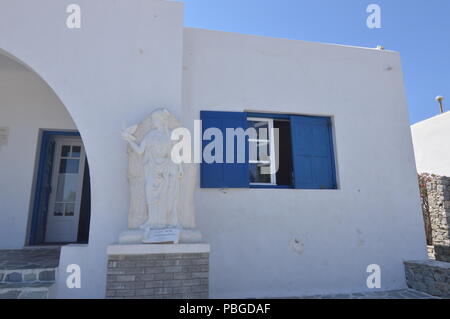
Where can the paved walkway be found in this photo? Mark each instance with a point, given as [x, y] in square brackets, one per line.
[29, 258]
[396, 294]
[49, 258]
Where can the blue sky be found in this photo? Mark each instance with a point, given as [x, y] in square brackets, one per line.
[418, 29]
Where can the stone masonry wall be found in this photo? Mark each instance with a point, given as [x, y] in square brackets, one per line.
[438, 193]
[155, 276]
[442, 253]
[429, 276]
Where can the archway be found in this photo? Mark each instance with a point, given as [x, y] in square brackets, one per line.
[45, 180]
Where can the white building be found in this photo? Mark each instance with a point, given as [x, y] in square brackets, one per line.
[130, 57]
[430, 139]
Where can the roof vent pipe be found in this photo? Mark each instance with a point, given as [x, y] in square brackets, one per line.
[440, 99]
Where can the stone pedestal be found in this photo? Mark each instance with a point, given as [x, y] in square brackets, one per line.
[158, 271]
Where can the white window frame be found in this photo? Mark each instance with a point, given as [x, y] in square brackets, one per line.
[272, 162]
[53, 219]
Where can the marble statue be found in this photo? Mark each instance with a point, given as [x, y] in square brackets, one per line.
[158, 190]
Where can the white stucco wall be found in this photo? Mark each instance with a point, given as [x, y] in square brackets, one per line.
[374, 217]
[128, 58]
[431, 145]
[27, 105]
[123, 62]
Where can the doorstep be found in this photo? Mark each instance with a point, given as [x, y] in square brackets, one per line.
[28, 273]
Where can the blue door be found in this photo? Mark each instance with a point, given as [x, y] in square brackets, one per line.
[43, 192]
[43, 189]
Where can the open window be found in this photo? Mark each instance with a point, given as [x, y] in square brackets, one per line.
[272, 162]
[283, 151]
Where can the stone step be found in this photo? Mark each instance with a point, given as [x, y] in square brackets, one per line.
[28, 273]
[33, 275]
[35, 290]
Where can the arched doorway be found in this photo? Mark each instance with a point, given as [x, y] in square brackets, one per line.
[45, 180]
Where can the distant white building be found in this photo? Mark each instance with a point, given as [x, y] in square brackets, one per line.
[431, 145]
[345, 196]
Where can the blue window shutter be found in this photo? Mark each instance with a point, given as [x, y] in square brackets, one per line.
[312, 151]
[224, 175]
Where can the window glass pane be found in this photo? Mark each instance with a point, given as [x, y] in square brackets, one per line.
[260, 173]
[253, 151]
[70, 209]
[263, 151]
[262, 129]
[259, 124]
[263, 133]
[259, 151]
[59, 207]
[76, 151]
[67, 188]
[69, 166]
[65, 150]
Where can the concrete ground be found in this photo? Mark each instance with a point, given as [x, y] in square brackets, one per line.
[396, 294]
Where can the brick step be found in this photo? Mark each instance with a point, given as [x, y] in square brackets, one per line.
[35, 290]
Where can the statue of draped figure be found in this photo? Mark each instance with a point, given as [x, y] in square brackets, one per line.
[155, 180]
